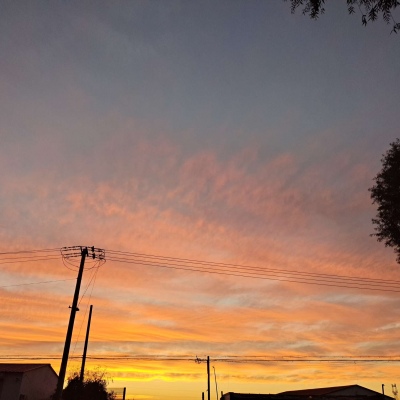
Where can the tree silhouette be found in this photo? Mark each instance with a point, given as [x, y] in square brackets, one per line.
[370, 9]
[386, 194]
[94, 387]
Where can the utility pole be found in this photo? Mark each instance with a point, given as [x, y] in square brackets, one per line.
[198, 361]
[86, 345]
[124, 394]
[68, 253]
[216, 386]
[208, 377]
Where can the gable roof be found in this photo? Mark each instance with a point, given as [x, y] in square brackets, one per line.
[21, 368]
[317, 391]
[249, 396]
[326, 391]
[348, 392]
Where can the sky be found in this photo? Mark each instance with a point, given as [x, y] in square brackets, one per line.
[226, 131]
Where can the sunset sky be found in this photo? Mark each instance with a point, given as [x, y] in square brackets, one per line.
[226, 131]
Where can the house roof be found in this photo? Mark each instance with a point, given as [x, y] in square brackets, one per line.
[335, 392]
[250, 396]
[317, 391]
[21, 368]
[323, 391]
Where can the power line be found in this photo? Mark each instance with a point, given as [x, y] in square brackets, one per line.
[29, 254]
[261, 273]
[224, 359]
[31, 251]
[15, 260]
[219, 268]
[210, 263]
[23, 256]
[38, 283]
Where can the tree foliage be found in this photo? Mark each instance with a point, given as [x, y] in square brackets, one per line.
[94, 387]
[386, 194]
[370, 10]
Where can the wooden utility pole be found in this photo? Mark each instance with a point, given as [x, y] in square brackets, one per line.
[68, 253]
[86, 345]
[199, 361]
[216, 386]
[208, 377]
[64, 362]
